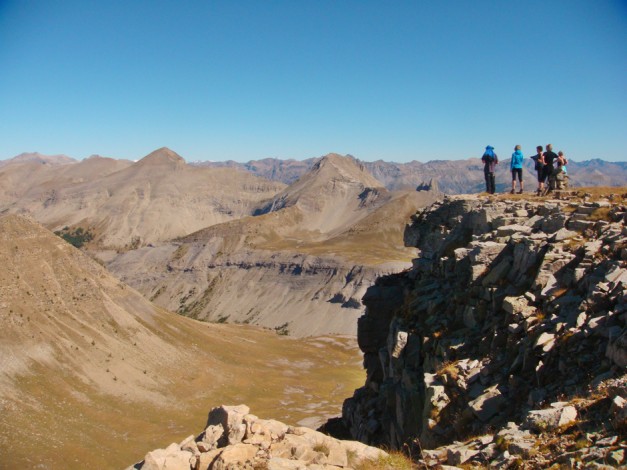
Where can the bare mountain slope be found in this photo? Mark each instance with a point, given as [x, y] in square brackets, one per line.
[275, 169]
[90, 370]
[157, 198]
[301, 267]
[33, 183]
[333, 195]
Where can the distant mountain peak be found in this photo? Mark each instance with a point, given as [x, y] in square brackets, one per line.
[162, 156]
[41, 158]
[344, 167]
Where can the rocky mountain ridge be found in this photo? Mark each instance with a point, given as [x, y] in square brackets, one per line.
[463, 176]
[511, 326]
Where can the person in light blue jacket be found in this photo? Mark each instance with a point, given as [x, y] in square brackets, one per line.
[516, 167]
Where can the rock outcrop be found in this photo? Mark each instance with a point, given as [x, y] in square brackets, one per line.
[235, 439]
[510, 325]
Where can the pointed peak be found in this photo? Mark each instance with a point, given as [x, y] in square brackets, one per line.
[346, 167]
[336, 158]
[162, 156]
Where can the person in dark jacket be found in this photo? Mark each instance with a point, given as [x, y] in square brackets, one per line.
[539, 166]
[490, 160]
[549, 157]
[516, 167]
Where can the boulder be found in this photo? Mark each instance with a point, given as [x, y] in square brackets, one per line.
[618, 410]
[279, 463]
[488, 404]
[559, 414]
[209, 439]
[235, 456]
[459, 454]
[231, 418]
[563, 234]
[546, 341]
[171, 458]
[617, 350]
[509, 230]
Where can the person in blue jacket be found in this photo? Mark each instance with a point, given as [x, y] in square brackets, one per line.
[516, 167]
[490, 160]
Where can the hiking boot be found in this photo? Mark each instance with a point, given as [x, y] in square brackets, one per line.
[512, 191]
[520, 192]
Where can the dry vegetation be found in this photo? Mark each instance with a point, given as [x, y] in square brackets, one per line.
[393, 461]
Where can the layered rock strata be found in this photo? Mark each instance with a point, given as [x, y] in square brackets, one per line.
[236, 439]
[514, 312]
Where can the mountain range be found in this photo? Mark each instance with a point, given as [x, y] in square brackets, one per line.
[452, 176]
[221, 244]
[127, 203]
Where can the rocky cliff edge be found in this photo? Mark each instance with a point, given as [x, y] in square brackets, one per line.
[506, 343]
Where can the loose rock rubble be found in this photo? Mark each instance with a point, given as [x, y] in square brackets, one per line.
[511, 326]
[234, 439]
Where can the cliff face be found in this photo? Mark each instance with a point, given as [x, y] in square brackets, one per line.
[511, 306]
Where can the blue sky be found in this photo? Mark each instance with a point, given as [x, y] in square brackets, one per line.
[242, 80]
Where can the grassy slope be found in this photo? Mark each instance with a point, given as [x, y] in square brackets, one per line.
[92, 375]
[58, 421]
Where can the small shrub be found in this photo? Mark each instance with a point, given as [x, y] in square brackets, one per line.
[449, 369]
[392, 461]
[282, 330]
[77, 238]
[602, 213]
[322, 447]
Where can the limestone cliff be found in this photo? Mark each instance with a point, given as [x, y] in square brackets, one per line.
[510, 324]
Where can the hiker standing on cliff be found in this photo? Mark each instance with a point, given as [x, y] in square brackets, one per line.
[549, 157]
[539, 167]
[490, 160]
[516, 167]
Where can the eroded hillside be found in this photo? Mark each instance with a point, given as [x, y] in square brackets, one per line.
[301, 267]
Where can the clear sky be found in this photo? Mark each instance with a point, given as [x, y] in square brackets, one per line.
[243, 80]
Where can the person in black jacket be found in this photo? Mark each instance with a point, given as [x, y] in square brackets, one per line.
[538, 158]
[490, 160]
[549, 157]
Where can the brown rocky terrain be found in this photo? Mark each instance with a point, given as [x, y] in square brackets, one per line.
[506, 343]
[92, 373]
[301, 266]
